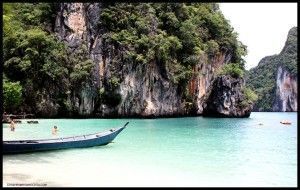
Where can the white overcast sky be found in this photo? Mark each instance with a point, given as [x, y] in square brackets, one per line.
[262, 27]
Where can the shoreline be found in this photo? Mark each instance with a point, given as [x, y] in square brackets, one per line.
[144, 117]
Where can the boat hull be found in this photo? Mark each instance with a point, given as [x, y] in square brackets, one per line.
[97, 139]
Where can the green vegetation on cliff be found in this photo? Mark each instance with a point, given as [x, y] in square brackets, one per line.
[232, 69]
[12, 94]
[35, 59]
[174, 35]
[250, 97]
[174, 32]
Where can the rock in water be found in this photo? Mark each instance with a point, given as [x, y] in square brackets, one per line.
[225, 98]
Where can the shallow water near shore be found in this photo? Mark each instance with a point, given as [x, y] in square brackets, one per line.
[172, 152]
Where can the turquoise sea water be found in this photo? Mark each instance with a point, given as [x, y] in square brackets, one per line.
[190, 151]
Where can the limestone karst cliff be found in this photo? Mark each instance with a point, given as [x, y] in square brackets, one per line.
[275, 78]
[146, 59]
[145, 90]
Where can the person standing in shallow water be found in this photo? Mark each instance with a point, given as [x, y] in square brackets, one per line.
[12, 125]
[54, 130]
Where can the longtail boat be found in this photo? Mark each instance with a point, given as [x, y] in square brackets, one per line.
[285, 122]
[82, 141]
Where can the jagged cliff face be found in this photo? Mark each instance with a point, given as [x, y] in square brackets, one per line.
[275, 78]
[76, 25]
[225, 98]
[205, 71]
[286, 91]
[145, 92]
[145, 89]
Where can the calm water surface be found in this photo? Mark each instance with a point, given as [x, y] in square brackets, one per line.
[191, 151]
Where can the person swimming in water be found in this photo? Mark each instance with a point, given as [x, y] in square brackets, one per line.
[12, 125]
[54, 130]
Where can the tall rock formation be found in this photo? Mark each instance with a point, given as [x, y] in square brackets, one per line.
[125, 60]
[275, 79]
[144, 90]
